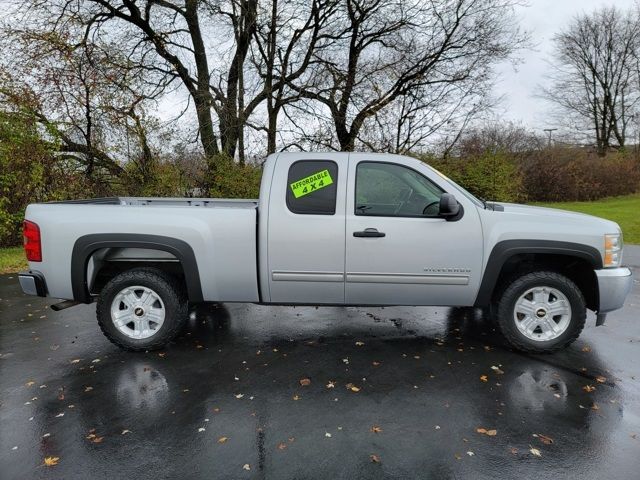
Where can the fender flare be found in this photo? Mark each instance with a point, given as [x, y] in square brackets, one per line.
[506, 249]
[87, 245]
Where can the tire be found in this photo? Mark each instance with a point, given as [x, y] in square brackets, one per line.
[539, 293]
[154, 301]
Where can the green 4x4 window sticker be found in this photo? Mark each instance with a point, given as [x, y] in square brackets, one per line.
[310, 184]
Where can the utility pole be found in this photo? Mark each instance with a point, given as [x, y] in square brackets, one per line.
[549, 131]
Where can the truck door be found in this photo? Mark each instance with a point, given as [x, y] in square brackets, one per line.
[398, 251]
[306, 229]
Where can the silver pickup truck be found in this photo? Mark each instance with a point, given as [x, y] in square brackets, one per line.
[328, 229]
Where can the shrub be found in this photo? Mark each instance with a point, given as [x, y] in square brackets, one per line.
[574, 174]
[233, 180]
[490, 175]
[25, 159]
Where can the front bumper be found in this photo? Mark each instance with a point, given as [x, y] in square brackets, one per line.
[33, 283]
[614, 284]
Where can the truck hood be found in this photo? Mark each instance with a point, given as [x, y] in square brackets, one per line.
[556, 216]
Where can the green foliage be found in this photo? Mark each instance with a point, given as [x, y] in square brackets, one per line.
[490, 175]
[233, 180]
[24, 162]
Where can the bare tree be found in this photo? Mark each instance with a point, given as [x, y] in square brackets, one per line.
[428, 117]
[595, 75]
[386, 48]
[80, 93]
[290, 34]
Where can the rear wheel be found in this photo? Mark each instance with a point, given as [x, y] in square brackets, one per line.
[541, 312]
[142, 309]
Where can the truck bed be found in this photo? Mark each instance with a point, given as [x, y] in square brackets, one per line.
[221, 233]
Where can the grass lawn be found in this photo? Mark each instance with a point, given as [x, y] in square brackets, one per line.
[625, 211]
[12, 260]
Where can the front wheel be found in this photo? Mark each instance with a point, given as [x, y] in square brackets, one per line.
[142, 309]
[541, 312]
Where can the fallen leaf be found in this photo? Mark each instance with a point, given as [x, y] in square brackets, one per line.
[484, 378]
[470, 453]
[359, 344]
[458, 456]
[222, 440]
[588, 388]
[51, 461]
[97, 439]
[484, 431]
[201, 429]
[595, 407]
[514, 451]
[544, 439]
[88, 389]
[75, 360]
[331, 384]
[239, 395]
[374, 458]
[492, 433]
[282, 446]
[125, 431]
[296, 397]
[60, 415]
[497, 370]
[586, 348]
[327, 434]
[376, 429]
[305, 382]
[535, 452]
[601, 379]
[352, 387]
[375, 364]
[246, 466]
[95, 360]
[29, 384]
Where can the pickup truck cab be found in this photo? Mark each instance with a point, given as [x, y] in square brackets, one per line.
[328, 229]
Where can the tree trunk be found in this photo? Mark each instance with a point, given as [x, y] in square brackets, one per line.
[202, 95]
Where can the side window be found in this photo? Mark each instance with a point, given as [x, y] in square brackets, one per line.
[312, 186]
[392, 190]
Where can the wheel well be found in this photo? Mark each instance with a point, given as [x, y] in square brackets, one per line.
[123, 251]
[578, 270]
[105, 263]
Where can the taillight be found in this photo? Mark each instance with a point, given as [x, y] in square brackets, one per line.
[32, 244]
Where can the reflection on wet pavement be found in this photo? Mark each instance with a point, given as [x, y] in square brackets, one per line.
[225, 400]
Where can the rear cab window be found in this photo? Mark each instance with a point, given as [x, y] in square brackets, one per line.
[312, 187]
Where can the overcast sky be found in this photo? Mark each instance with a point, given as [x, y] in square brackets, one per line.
[542, 18]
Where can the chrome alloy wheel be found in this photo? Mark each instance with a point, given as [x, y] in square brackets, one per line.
[542, 313]
[137, 312]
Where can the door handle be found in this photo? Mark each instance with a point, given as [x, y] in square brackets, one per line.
[369, 233]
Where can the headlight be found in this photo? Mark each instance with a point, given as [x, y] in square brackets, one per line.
[612, 250]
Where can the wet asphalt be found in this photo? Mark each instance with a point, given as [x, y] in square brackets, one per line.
[252, 391]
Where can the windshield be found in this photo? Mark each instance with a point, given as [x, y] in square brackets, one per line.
[464, 191]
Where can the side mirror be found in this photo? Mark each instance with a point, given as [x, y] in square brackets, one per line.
[449, 206]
